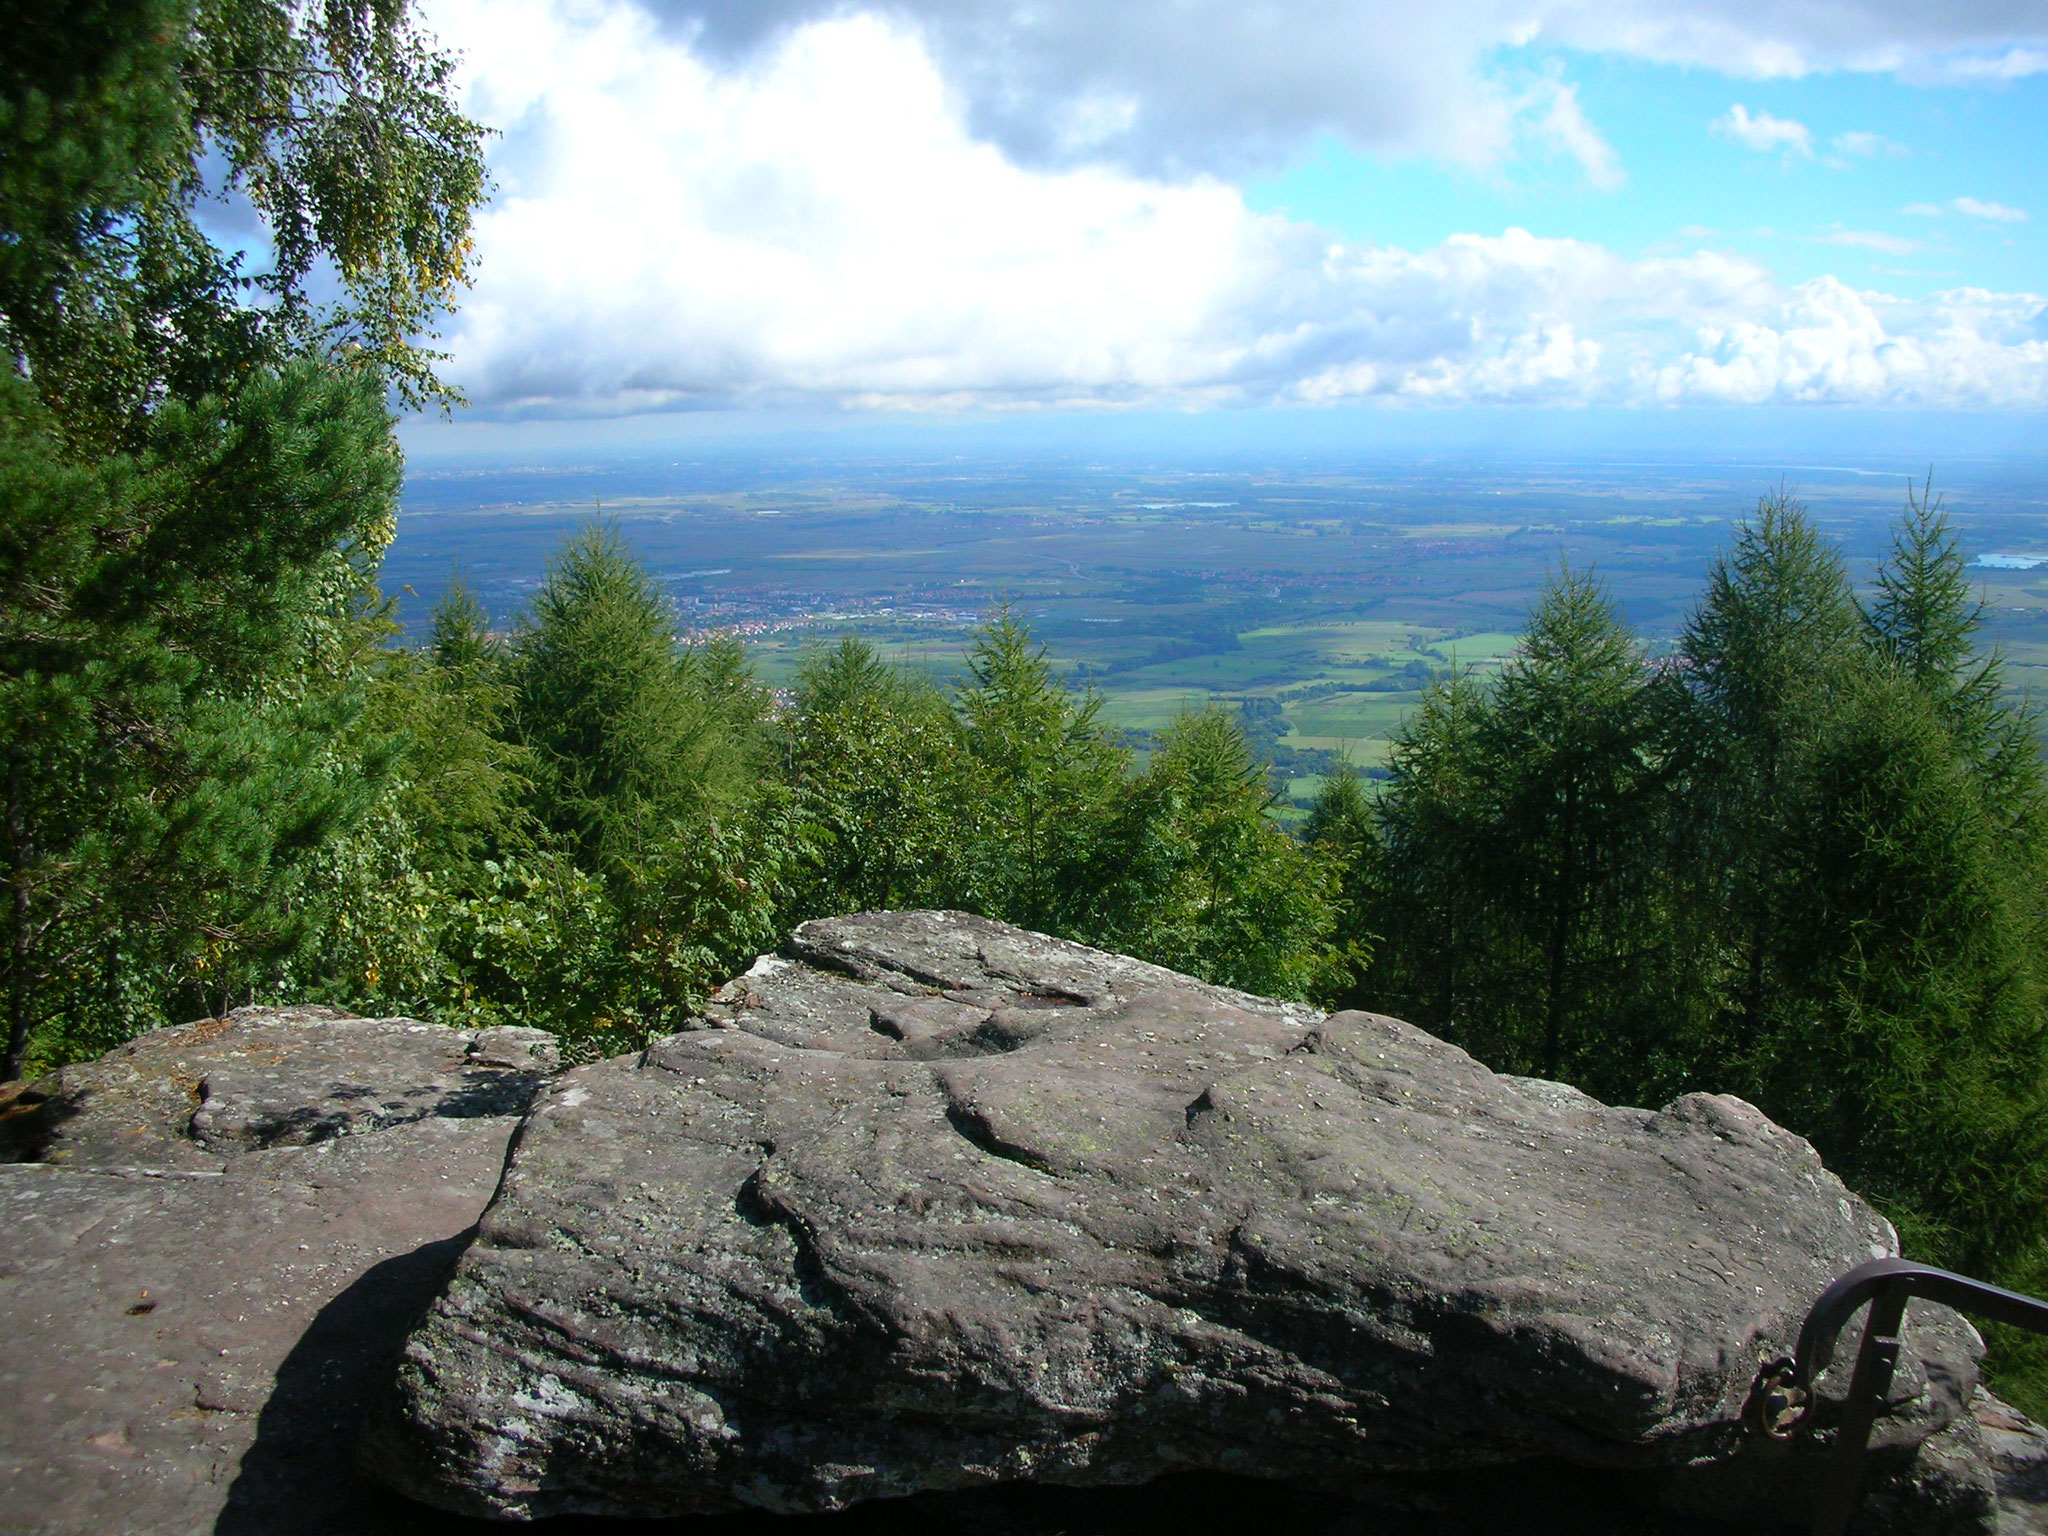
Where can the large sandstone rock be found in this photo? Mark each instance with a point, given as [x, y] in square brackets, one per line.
[931, 1203]
[229, 1231]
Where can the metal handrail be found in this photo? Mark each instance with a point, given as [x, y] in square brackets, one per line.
[1783, 1399]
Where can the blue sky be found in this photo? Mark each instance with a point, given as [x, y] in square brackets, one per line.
[929, 210]
[1688, 184]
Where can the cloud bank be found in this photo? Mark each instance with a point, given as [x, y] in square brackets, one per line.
[1213, 84]
[809, 214]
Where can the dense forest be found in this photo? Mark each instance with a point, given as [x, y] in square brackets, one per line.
[1804, 858]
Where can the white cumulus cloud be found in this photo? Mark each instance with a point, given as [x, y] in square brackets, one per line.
[1865, 145]
[1870, 240]
[1567, 126]
[820, 222]
[1826, 342]
[1970, 207]
[1764, 133]
[1997, 213]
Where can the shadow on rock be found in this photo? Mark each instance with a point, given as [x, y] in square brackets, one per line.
[1526, 1500]
[28, 1118]
[299, 1478]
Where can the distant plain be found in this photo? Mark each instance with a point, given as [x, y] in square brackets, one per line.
[1326, 590]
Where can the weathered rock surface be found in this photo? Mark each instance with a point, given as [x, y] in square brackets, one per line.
[931, 1203]
[197, 1095]
[2017, 1449]
[234, 1225]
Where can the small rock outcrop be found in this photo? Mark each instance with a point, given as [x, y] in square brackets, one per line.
[216, 1238]
[196, 1096]
[930, 1203]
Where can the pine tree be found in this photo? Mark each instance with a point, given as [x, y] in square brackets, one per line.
[644, 764]
[170, 669]
[1772, 645]
[622, 739]
[878, 769]
[1570, 744]
[1427, 908]
[1048, 778]
[1343, 828]
[1519, 889]
[1869, 839]
[463, 788]
[460, 634]
[1206, 882]
[720, 670]
[1926, 620]
[1910, 1043]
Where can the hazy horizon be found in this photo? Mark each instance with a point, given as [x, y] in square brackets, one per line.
[1266, 226]
[862, 313]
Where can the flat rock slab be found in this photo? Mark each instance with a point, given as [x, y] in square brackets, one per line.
[195, 1316]
[201, 1093]
[932, 1203]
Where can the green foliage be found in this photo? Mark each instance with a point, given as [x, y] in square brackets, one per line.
[1575, 774]
[625, 734]
[1015, 801]
[336, 121]
[1907, 1039]
[462, 788]
[1895, 1011]
[533, 942]
[605, 914]
[1770, 649]
[461, 635]
[878, 772]
[1424, 901]
[1205, 882]
[654, 840]
[380, 947]
[1343, 827]
[173, 664]
[194, 489]
[1805, 863]
[1521, 892]
[607, 964]
[1925, 619]
[1048, 774]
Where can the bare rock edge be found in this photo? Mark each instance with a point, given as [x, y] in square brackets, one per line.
[927, 1203]
[216, 1238]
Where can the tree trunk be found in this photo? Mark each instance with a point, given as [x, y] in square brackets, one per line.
[1034, 917]
[1560, 936]
[1448, 926]
[19, 941]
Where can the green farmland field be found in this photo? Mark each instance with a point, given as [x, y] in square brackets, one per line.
[1333, 595]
